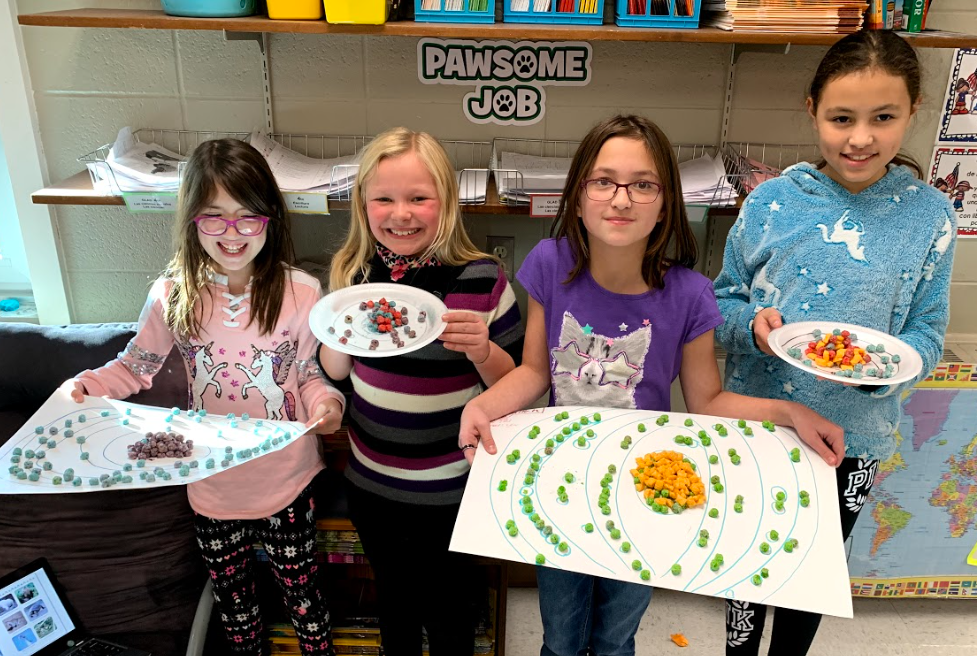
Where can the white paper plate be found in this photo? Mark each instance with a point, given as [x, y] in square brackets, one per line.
[331, 312]
[800, 334]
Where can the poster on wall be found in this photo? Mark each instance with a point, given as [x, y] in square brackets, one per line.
[959, 121]
[954, 172]
[510, 78]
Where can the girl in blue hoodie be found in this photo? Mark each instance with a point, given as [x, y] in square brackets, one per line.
[856, 238]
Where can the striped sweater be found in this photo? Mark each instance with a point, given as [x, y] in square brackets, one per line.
[405, 410]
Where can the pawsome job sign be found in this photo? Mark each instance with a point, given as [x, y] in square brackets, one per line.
[509, 77]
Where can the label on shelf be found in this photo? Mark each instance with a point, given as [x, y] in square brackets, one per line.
[301, 202]
[139, 201]
[544, 205]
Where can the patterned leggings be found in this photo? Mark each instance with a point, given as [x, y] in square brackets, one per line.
[289, 537]
[794, 630]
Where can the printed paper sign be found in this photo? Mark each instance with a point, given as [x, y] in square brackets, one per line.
[954, 172]
[509, 77]
[544, 205]
[959, 122]
[149, 202]
[301, 202]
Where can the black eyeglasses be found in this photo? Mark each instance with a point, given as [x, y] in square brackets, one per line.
[604, 189]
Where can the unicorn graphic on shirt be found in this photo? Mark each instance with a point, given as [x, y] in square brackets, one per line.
[848, 232]
[939, 249]
[592, 369]
[765, 291]
[199, 359]
[272, 371]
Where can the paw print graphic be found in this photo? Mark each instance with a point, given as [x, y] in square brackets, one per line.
[526, 65]
[504, 102]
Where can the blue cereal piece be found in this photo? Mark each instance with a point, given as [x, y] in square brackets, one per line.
[47, 466]
[76, 482]
[125, 422]
[184, 471]
[174, 411]
[209, 464]
[17, 451]
[870, 348]
[29, 454]
[83, 455]
[896, 358]
[245, 417]
[39, 455]
[202, 413]
[853, 337]
[885, 359]
[197, 420]
[93, 481]
[34, 477]
[53, 430]
[104, 413]
[140, 463]
[233, 424]
[14, 459]
[128, 411]
[51, 444]
[39, 429]
[225, 463]
[258, 423]
[194, 464]
[127, 479]
[230, 415]
[150, 478]
[127, 467]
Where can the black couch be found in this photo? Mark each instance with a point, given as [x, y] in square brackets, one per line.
[128, 560]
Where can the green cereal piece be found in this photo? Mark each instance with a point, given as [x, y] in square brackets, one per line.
[502, 485]
[789, 547]
[563, 547]
[645, 575]
[511, 459]
[748, 431]
[779, 505]
[589, 528]
[741, 423]
[510, 523]
[703, 542]
[713, 459]
[609, 524]
[656, 507]
[714, 566]
[735, 460]
[625, 444]
[774, 536]
[559, 438]
[513, 532]
[611, 469]
[516, 453]
[676, 569]
[706, 441]
[584, 420]
[731, 452]
[781, 496]
[704, 534]
[714, 512]
[718, 558]
[534, 517]
[636, 565]
[547, 531]
[722, 431]
[581, 441]
[540, 525]
[739, 498]
[738, 507]
[526, 500]
[703, 434]
[626, 547]
[803, 493]
[615, 534]
[550, 443]
[605, 510]
[757, 579]
[714, 479]
[534, 466]
[718, 487]
[536, 457]
[528, 480]
[795, 457]
[590, 432]
[563, 498]
[575, 426]
[764, 572]
[540, 559]
[566, 430]
[56, 480]
[596, 416]
[805, 502]
[688, 422]
[554, 538]
[641, 428]
[679, 439]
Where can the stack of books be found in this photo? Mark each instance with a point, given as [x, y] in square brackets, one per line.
[800, 16]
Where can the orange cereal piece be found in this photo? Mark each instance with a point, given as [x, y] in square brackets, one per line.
[680, 640]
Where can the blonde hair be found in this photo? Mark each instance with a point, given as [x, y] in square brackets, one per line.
[451, 243]
[245, 175]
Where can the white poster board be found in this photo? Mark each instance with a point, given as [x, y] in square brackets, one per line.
[954, 172]
[812, 576]
[103, 429]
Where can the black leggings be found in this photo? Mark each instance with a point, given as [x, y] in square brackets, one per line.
[794, 630]
[419, 582]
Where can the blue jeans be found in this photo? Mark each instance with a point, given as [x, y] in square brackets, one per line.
[581, 611]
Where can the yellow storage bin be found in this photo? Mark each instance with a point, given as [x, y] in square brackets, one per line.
[363, 12]
[295, 9]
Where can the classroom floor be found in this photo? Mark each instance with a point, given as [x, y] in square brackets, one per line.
[916, 627]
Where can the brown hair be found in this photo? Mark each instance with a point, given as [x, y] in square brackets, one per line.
[247, 178]
[883, 50]
[673, 228]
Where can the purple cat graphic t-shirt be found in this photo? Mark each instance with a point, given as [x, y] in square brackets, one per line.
[615, 350]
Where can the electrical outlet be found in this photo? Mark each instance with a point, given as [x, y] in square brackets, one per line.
[503, 248]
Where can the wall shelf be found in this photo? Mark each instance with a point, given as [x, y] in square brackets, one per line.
[77, 190]
[149, 19]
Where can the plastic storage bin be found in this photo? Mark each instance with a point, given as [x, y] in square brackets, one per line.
[362, 12]
[209, 8]
[454, 11]
[658, 13]
[295, 9]
[574, 12]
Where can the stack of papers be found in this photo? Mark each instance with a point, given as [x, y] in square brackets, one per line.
[296, 172]
[808, 17]
[135, 166]
[705, 182]
[520, 175]
[471, 186]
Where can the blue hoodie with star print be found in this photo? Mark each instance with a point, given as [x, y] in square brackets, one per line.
[810, 248]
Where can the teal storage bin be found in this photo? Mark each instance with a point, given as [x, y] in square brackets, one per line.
[209, 8]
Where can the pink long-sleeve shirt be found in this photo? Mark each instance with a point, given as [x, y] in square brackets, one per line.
[231, 367]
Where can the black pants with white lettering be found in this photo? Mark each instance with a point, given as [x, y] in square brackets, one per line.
[794, 630]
